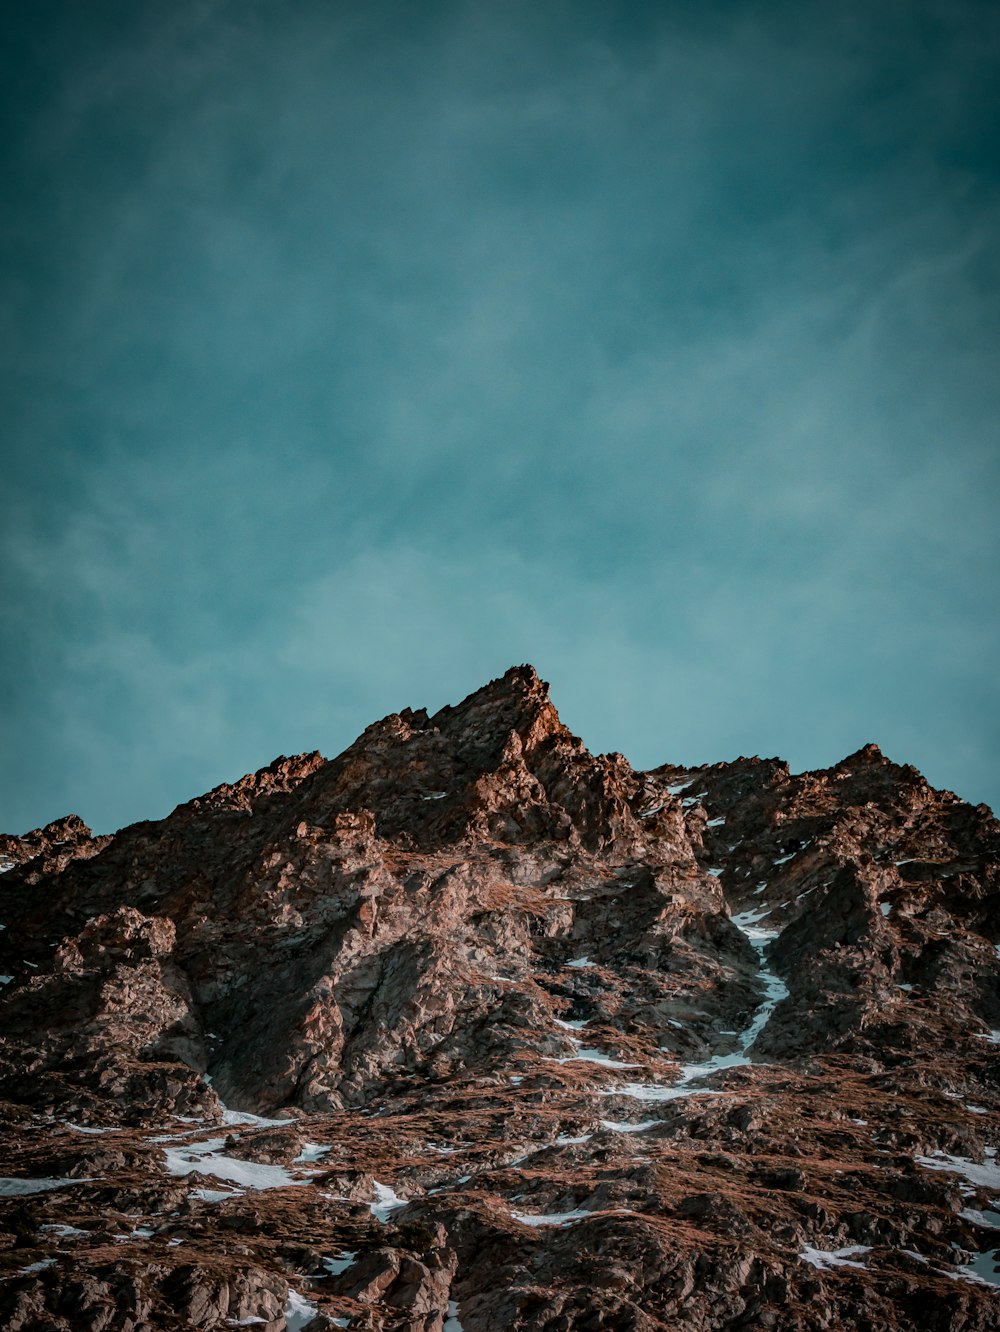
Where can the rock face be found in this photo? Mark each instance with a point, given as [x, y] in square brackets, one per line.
[469, 1028]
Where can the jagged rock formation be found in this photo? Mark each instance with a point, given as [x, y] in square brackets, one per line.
[471, 1028]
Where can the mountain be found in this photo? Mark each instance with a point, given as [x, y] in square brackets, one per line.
[471, 1029]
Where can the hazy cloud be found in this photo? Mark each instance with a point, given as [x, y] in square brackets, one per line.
[354, 354]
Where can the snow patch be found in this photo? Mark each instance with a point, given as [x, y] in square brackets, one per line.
[234, 1118]
[623, 1126]
[312, 1151]
[588, 1055]
[63, 1232]
[298, 1311]
[985, 1174]
[15, 1188]
[825, 1259]
[655, 1091]
[549, 1218]
[36, 1267]
[204, 1158]
[386, 1202]
[912, 1253]
[580, 962]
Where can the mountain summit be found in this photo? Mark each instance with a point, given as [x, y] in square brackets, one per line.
[469, 1028]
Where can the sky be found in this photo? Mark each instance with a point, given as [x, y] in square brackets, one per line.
[350, 354]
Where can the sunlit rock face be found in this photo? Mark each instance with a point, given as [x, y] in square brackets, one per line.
[470, 1028]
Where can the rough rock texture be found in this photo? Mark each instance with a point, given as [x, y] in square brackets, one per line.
[469, 1028]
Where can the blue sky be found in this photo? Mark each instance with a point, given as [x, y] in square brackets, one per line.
[351, 354]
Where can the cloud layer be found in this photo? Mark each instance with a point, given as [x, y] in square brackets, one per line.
[355, 355]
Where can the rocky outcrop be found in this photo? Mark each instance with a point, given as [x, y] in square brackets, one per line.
[471, 1028]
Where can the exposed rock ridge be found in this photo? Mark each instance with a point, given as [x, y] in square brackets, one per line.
[538, 1036]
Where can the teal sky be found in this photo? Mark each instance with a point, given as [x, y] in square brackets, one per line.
[352, 353]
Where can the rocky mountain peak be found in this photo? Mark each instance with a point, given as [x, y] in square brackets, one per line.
[470, 1028]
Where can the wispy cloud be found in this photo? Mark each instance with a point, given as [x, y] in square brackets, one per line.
[355, 355]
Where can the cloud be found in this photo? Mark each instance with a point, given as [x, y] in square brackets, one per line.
[356, 355]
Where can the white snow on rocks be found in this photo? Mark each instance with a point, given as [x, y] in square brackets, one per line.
[648, 813]
[237, 1118]
[36, 1267]
[63, 1232]
[206, 1158]
[312, 1151]
[298, 1312]
[623, 1126]
[775, 989]
[588, 1055]
[12, 1188]
[826, 1259]
[386, 1202]
[985, 1174]
[451, 1323]
[694, 1072]
[579, 963]
[654, 1091]
[549, 1218]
